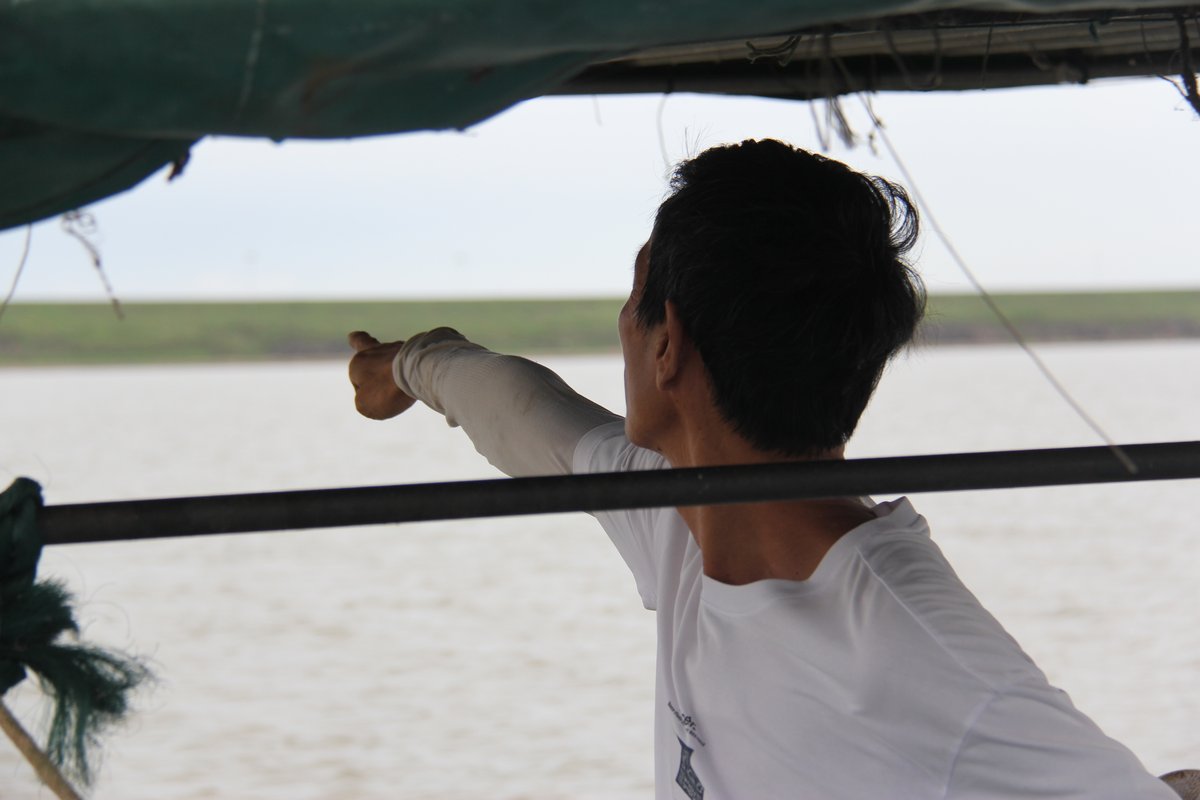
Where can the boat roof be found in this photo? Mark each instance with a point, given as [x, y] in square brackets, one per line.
[99, 95]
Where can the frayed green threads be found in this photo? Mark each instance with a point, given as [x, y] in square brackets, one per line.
[90, 686]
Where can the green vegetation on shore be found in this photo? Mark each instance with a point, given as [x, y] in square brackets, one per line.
[37, 333]
[1090, 316]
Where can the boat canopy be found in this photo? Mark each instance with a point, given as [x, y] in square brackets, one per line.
[96, 95]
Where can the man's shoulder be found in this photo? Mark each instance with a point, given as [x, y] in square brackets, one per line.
[909, 572]
[607, 449]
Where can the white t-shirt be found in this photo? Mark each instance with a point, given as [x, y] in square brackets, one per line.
[878, 678]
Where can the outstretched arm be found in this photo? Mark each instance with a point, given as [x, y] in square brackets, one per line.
[520, 416]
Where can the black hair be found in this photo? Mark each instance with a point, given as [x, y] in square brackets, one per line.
[787, 271]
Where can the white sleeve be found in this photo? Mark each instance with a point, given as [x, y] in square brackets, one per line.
[1025, 744]
[519, 415]
[634, 531]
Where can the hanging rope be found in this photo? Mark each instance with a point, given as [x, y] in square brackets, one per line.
[1187, 73]
[12, 290]
[81, 225]
[990, 302]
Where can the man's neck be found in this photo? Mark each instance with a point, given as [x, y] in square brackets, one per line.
[742, 543]
[749, 542]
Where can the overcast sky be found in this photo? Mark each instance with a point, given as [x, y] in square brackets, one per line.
[1057, 188]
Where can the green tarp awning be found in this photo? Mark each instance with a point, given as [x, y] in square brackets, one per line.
[97, 94]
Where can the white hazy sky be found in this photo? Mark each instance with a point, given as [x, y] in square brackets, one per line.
[1056, 188]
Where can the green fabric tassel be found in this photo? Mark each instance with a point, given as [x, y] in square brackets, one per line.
[90, 685]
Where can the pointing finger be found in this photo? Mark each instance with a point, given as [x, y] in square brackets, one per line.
[361, 340]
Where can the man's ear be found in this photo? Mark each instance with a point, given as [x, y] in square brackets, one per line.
[672, 348]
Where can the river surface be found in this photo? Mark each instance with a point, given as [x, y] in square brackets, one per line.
[511, 658]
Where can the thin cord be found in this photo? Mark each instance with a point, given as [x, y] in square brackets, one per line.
[12, 290]
[662, 139]
[80, 224]
[1120, 454]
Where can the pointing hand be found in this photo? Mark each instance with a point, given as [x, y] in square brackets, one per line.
[376, 395]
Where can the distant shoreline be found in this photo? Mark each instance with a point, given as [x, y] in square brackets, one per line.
[48, 334]
[958, 333]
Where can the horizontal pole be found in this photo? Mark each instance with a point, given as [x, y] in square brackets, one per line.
[327, 508]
